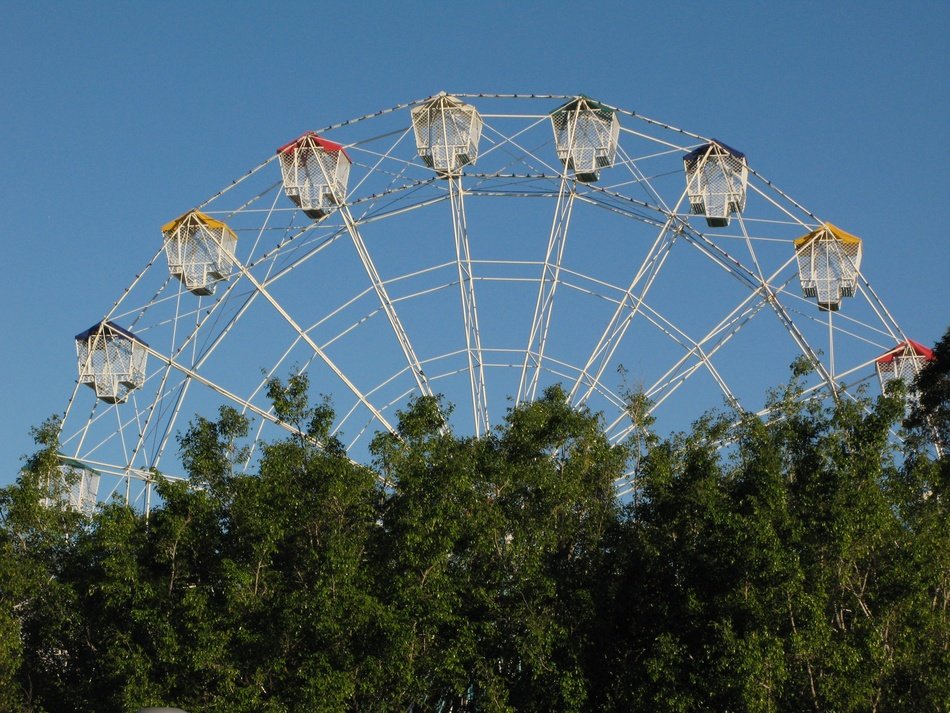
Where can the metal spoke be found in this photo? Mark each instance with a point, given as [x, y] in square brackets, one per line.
[387, 304]
[213, 340]
[544, 305]
[628, 308]
[473, 340]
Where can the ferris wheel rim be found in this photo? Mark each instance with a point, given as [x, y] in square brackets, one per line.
[674, 225]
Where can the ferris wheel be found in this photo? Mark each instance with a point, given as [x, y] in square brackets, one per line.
[479, 247]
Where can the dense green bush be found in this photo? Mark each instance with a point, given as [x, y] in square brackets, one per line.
[804, 566]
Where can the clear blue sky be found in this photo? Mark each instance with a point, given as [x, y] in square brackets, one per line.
[116, 117]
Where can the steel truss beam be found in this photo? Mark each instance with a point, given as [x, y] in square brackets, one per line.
[387, 304]
[626, 310]
[544, 305]
[473, 340]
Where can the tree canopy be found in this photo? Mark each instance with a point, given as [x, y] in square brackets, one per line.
[799, 562]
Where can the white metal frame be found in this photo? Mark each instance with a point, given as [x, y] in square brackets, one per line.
[396, 316]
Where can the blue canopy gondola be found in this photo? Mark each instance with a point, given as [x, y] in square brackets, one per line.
[716, 179]
[111, 361]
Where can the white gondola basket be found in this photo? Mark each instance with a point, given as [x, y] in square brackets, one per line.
[717, 178]
[829, 263]
[586, 134]
[315, 174]
[112, 361]
[200, 251]
[447, 132]
[902, 363]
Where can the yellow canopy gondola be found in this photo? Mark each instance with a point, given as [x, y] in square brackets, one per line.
[203, 218]
[829, 260]
[200, 251]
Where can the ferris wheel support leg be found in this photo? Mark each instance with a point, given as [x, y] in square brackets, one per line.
[703, 350]
[831, 345]
[473, 340]
[259, 287]
[85, 429]
[145, 428]
[881, 311]
[544, 306]
[195, 376]
[401, 335]
[804, 346]
[626, 310]
[196, 365]
[190, 341]
[678, 374]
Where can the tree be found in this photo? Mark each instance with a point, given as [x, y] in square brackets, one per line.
[486, 551]
[781, 572]
[796, 562]
[39, 538]
[922, 494]
[931, 413]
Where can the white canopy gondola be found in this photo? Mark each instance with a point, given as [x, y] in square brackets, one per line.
[315, 173]
[829, 260]
[585, 136]
[447, 133]
[716, 180]
[200, 251]
[112, 361]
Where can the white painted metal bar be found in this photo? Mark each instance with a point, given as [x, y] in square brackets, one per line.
[387, 304]
[262, 290]
[740, 271]
[195, 376]
[473, 340]
[544, 305]
[625, 312]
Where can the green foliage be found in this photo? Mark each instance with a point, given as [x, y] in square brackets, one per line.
[783, 573]
[795, 563]
[210, 450]
[487, 547]
[930, 417]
